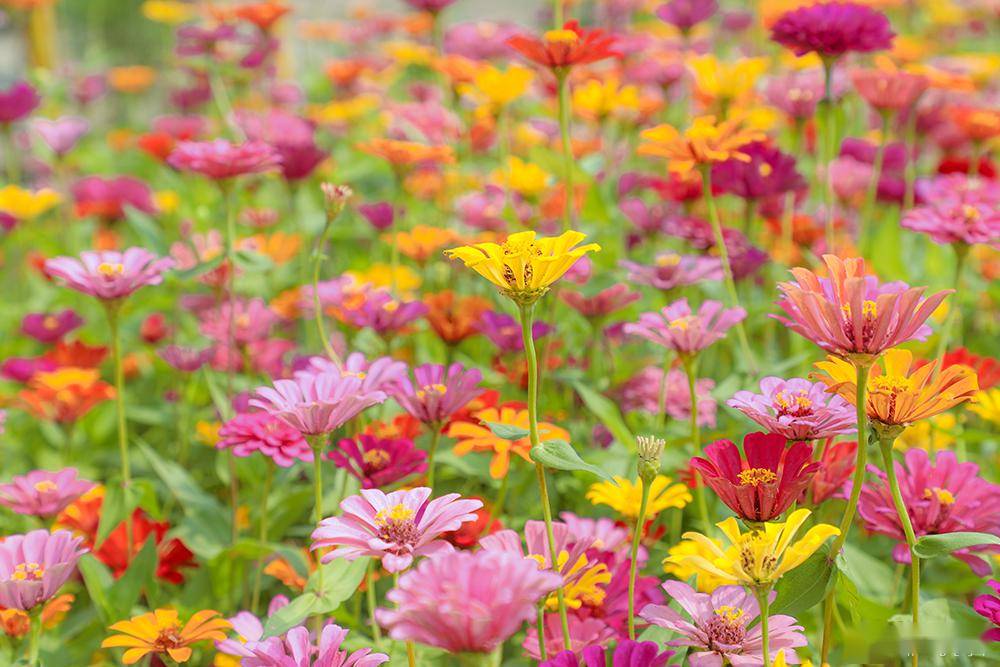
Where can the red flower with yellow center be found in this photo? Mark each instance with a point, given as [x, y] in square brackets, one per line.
[571, 45]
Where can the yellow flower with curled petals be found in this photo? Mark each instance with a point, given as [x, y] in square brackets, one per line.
[986, 404]
[624, 496]
[25, 204]
[524, 266]
[704, 142]
[683, 571]
[499, 87]
[525, 178]
[598, 99]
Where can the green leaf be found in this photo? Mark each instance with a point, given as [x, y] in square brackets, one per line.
[199, 269]
[253, 261]
[125, 592]
[115, 508]
[507, 431]
[292, 614]
[805, 586]
[607, 412]
[559, 455]
[931, 546]
[341, 579]
[98, 580]
[147, 229]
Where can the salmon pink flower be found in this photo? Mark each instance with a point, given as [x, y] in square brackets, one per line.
[50, 327]
[796, 409]
[251, 432]
[670, 270]
[836, 465]
[831, 29]
[221, 160]
[563, 48]
[316, 404]
[436, 393]
[110, 275]
[393, 527]
[988, 606]
[889, 90]
[43, 493]
[295, 649]
[760, 485]
[686, 332]
[378, 461]
[603, 303]
[61, 134]
[34, 566]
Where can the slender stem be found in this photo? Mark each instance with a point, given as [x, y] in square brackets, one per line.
[35, 638]
[727, 270]
[370, 593]
[527, 316]
[262, 534]
[691, 370]
[316, 441]
[827, 144]
[317, 307]
[562, 77]
[11, 156]
[633, 557]
[113, 311]
[762, 594]
[954, 318]
[661, 406]
[435, 439]
[497, 509]
[910, 174]
[864, 224]
[557, 16]
[542, 653]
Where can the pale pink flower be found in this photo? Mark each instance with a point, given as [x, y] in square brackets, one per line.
[436, 393]
[796, 409]
[295, 649]
[221, 160]
[109, 274]
[34, 566]
[43, 493]
[316, 404]
[375, 375]
[686, 332]
[670, 270]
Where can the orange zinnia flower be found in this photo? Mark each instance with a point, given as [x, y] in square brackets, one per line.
[131, 79]
[454, 319]
[77, 354]
[17, 623]
[400, 153]
[160, 631]
[977, 123]
[704, 142]
[476, 437]
[559, 49]
[65, 394]
[422, 241]
[262, 14]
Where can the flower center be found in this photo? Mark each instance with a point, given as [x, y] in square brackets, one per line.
[792, 405]
[376, 459]
[168, 638]
[438, 389]
[361, 375]
[396, 525]
[726, 627]
[668, 260]
[970, 213]
[756, 476]
[765, 169]
[45, 486]
[110, 270]
[28, 572]
[391, 306]
[50, 323]
[890, 385]
[756, 558]
[682, 323]
[944, 496]
[561, 37]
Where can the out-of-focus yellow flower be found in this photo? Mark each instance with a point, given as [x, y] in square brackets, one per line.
[717, 80]
[758, 557]
[500, 87]
[704, 142]
[944, 12]
[25, 204]
[525, 178]
[626, 496]
[527, 136]
[598, 99]
[343, 111]
[929, 434]
[166, 200]
[409, 53]
[207, 432]
[909, 49]
[404, 279]
[986, 404]
[170, 12]
[673, 565]
[131, 78]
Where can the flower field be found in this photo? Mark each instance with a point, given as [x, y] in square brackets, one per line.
[631, 334]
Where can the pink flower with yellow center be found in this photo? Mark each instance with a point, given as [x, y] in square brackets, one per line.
[43, 493]
[110, 275]
[34, 566]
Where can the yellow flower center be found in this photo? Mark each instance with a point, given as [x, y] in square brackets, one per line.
[890, 385]
[756, 477]
[28, 572]
[797, 405]
[391, 306]
[376, 459]
[970, 213]
[944, 496]
[561, 37]
[868, 309]
[682, 323]
[668, 259]
[730, 615]
[396, 514]
[765, 169]
[109, 270]
[50, 323]
[45, 486]
[438, 389]
[168, 638]
[361, 375]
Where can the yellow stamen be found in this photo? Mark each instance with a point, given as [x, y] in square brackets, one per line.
[757, 476]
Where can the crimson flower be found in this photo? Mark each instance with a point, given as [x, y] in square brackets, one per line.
[836, 465]
[220, 160]
[572, 45]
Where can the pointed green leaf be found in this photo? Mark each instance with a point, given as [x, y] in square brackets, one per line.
[805, 586]
[607, 412]
[507, 431]
[559, 455]
[931, 546]
[116, 506]
[98, 580]
[341, 579]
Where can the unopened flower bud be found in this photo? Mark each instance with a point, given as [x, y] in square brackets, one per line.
[336, 197]
[650, 449]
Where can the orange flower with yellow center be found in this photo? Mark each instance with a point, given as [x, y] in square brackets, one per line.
[422, 241]
[401, 153]
[65, 394]
[706, 141]
[454, 319]
[160, 631]
[978, 124]
[473, 437]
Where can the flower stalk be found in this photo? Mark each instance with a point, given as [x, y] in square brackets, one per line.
[113, 310]
[763, 595]
[562, 78]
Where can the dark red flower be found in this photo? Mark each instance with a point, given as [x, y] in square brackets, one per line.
[836, 465]
[572, 45]
[765, 483]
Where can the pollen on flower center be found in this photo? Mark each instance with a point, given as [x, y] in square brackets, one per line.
[668, 260]
[168, 638]
[50, 323]
[376, 459]
[682, 323]
[727, 627]
[890, 385]
[796, 405]
[868, 309]
[361, 375]
[28, 572]
[396, 525]
[765, 169]
[970, 213]
[561, 36]
[944, 496]
[45, 486]
[109, 270]
[438, 389]
[757, 476]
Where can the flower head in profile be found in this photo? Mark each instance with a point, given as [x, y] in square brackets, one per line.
[899, 394]
[988, 606]
[109, 198]
[161, 632]
[250, 432]
[524, 267]
[670, 270]
[678, 328]
[295, 649]
[642, 392]
[721, 628]
[65, 394]
[763, 482]
[43, 493]
[401, 154]
[681, 570]
[110, 275]
[476, 436]
[757, 557]
[831, 29]
[706, 141]
[221, 160]
[853, 315]
[35, 565]
[376, 461]
[394, 527]
[454, 318]
[686, 14]
[436, 392]
[796, 409]
[61, 134]
[466, 602]
[316, 403]
[624, 496]
[565, 47]
[889, 89]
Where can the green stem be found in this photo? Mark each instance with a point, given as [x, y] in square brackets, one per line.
[562, 77]
[316, 442]
[435, 439]
[632, 567]
[864, 224]
[557, 16]
[661, 406]
[35, 636]
[762, 594]
[527, 316]
[691, 371]
[827, 144]
[113, 310]
[262, 534]
[317, 307]
[953, 318]
[370, 593]
[542, 653]
[497, 509]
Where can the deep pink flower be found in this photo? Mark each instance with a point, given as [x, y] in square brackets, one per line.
[20, 369]
[505, 332]
[583, 633]
[466, 602]
[627, 653]
[720, 631]
[384, 314]
[768, 173]
[940, 497]
[293, 138]
[851, 313]
[316, 404]
[107, 198]
[34, 566]
[796, 409]
[686, 14]
[249, 630]
[603, 303]
[671, 270]
[432, 6]
[61, 134]
[836, 465]
[185, 359]
[957, 209]
[43, 493]
[832, 29]
[295, 649]
[110, 275]
[988, 606]
[642, 392]
[251, 432]
[762, 483]
[436, 393]
[680, 329]
[378, 214]
[221, 160]
[17, 101]
[394, 527]
[50, 327]
[378, 462]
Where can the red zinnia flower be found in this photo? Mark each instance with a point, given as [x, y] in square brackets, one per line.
[572, 45]
[836, 466]
[765, 483]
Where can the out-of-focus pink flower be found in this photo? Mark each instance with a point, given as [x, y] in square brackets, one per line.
[796, 409]
[642, 392]
[378, 214]
[505, 332]
[466, 602]
[671, 270]
[482, 40]
[110, 275]
[61, 134]
[394, 527]
[797, 93]
[583, 633]
[432, 6]
[220, 160]
[768, 173]
[185, 359]
[295, 649]
[34, 566]
[251, 432]
[686, 14]
[378, 462]
[436, 393]
[17, 101]
[376, 375]
[293, 139]
[249, 630]
[50, 327]
[831, 29]
[484, 209]
[384, 314]
[603, 303]
[957, 209]
[686, 332]
[106, 198]
[253, 321]
[988, 606]
[888, 90]
[43, 493]
[836, 465]
[316, 404]
[627, 653]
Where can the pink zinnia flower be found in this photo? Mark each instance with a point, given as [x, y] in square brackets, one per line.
[393, 527]
[940, 497]
[43, 493]
[377, 375]
[686, 14]
[34, 566]
[50, 327]
[768, 173]
[295, 649]
[832, 29]
[107, 198]
[383, 314]
[854, 314]
[61, 134]
[17, 101]
[574, 548]
[627, 653]
[889, 90]
[583, 634]
[720, 631]
[378, 461]
[221, 160]
[603, 533]
[762, 483]
[251, 432]
[796, 409]
[316, 404]
[678, 328]
[436, 393]
[185, 359]
[957, 209]
[836, 465]
[253, 321]
[249, 630]
[798, 93]
[466, 602]
[603, 303]
[988, 606]
[670, 270]
[109, 274]
[642, 392]
[293, 139]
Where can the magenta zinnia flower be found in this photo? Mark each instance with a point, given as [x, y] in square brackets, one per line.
[109, 274]
[836, 465]
[957, 209]
[43, 493]
[628, 653]
[763, 482]
[466, 602]
[378, 461]
[251, 432]
[768, 173]
[17, 102]
[720, 629]
[185, 359]
[940, 497]
[642, 392]
[571, 551]
[34, 566]
[394, 527]
[832, 29]
[670, 270]
[988, 606]
[678, 328]
[221, 160]
[686, 14]
[50, 327]
[107, 197]
[854, 314]
[436, 393]
[295, 649]
[377, 375]
[316, 404]
[796, 409]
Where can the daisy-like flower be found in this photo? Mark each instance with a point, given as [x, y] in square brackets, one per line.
[316, 404]
[853, 315]
[394, 527]
[704, 142]
[831, 29]
[796, 409]
[477, 437]
[768, 173]
[62, 133]
[296, 649]
[454, 318]
[758, 557]
[563, 48]
[221, 160]
[110, 275]
[161, 631]
[670, 270]
[34, 566]
[436, 392]
[376, 375]
[642, 392]
[524, 267]
[957, 209]
[603, 303]
[686, 14]
[940, 496]
[251, 432]
[765, 481]
[50, 327]
[722, 629]
[625, 496]
[249, 630]
[678, 328]
[26, 204]
[43, 493]
[401, 154]
[376, 461]
[899, 394]
[988, 606]
[466, 602]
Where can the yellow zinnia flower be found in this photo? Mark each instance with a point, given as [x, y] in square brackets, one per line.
[525, 178]
[523, 266]
[499, 87]
[599, 98]
[404, 279]
[170, 12]
[160, 631]
[987, 405]
[683, 571]
[758, 557]
[719, 80]
[624, 496]
[929, 434]
[704, 142]
[25, 204]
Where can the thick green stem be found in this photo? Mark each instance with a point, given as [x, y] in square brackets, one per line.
[113, 310]
[35, 636]
[542, 653]
[262, 533]
[633, 557]
[953, 319]
[562, 78]
[763, 601]
[435, 439]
